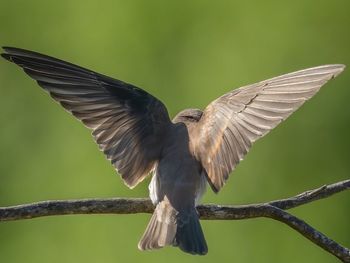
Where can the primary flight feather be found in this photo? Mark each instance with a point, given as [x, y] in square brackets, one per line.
[134, 131]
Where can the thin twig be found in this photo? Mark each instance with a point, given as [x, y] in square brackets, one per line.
[274, 209]
[309, 232]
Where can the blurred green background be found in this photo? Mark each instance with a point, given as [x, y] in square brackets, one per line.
[186, 53]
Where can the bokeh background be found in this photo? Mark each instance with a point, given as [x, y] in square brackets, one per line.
[186, 53]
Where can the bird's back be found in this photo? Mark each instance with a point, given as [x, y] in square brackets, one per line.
[178, 173]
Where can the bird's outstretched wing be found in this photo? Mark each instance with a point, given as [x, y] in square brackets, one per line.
[230, 124]
[128, 124]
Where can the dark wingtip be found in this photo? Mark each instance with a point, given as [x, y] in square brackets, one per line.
[6, 56]
[15, 51]
[11, 49]
[7, 49]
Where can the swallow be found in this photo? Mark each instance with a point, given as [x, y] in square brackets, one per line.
[196, 148]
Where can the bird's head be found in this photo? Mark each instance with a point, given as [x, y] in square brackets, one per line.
[188, 115]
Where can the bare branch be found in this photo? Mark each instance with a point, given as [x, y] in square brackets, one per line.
[309, 232]
[219, 212]
[274, 209]
[312, 195]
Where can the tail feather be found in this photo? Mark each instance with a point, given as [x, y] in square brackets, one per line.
[170, 227]
[161, 229]
[189, 235]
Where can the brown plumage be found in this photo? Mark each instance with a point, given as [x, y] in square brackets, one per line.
[134, 131]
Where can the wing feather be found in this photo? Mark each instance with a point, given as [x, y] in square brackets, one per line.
[232, 123]
[128, 124]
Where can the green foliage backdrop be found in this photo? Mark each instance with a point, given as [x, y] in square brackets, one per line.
[186, 53]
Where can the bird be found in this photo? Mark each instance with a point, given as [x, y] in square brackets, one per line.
[195, 149]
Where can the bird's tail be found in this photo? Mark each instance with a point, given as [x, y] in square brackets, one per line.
[189, 235]
[169, 227]
[161, 229]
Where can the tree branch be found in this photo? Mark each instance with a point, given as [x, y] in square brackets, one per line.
[274, 210]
